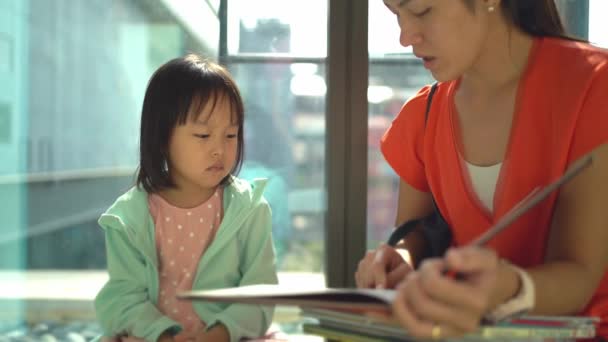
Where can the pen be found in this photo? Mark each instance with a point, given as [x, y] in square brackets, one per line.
[493, 231]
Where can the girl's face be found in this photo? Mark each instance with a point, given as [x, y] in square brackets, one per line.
[203, 150]
[446, 34]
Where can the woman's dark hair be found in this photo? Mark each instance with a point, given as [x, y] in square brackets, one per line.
[538, 18]
[179, 89]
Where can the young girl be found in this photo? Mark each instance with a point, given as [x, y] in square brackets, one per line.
[517, 102]
[189, 223]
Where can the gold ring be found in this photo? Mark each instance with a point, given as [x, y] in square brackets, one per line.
[436, 332]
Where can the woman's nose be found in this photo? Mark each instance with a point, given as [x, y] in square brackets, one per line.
[410, 34]
[409, 37]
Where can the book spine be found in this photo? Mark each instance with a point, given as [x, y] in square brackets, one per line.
[538, 332]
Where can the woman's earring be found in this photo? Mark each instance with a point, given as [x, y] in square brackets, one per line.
[491, 9]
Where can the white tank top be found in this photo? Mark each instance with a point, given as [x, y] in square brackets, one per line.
[483, 181]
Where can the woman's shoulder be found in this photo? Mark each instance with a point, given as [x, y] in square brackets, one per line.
[414, 109]
[575, 54]
[419, 99]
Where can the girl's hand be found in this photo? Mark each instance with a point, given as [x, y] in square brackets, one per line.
[430, 304]
[164, 337]
[185, 336]
[218, 333]
[381, 268]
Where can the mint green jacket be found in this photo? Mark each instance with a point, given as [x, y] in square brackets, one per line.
[240, 254]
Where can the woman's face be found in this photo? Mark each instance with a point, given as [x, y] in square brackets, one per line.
[446, 34]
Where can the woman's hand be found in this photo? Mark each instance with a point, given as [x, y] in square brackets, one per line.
[381, 268]
[430, 304]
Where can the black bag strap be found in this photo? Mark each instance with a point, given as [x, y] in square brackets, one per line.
[400, 232]
[429, 101]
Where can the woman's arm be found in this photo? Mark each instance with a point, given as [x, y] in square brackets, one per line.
[385, 267]
[577, 256]
[413, 204]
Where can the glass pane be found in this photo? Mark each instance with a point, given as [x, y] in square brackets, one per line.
[285, 142]
[72, 79]
[598, 26]
[296, 28]
[285, 123]
[383, 31]
[393, 78]
[285, 129]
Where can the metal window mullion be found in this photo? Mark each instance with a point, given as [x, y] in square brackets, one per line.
[223, 39]
[271, 58]
[357, 168]
[346, 140]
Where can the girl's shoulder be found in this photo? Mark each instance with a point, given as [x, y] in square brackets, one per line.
[245, 192]
[133, 198]
[130, 207]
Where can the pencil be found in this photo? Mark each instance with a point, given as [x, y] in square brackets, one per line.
[528, 202]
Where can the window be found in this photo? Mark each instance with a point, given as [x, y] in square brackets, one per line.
[278, 61]
[72, 79]
[598, 28]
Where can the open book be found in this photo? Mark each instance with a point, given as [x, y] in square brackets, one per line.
[353, 300]
[344, 326]
[355, 314]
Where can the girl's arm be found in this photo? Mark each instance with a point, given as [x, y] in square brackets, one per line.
[258, 267]
[577, 256]
[123, 305]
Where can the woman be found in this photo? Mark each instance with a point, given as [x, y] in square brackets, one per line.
[517, 102]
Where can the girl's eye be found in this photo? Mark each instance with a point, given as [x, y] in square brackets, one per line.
[423, 13]
[231, 136]
[202, 136]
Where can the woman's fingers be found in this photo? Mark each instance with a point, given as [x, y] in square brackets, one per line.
[466, 295]
[460, 319]
[373, 269]
[406, 315]
[429, 302]
[472, 260]
[397, 275]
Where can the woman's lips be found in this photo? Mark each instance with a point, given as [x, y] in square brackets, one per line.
[429, 62]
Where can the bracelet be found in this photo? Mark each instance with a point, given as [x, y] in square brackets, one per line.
[521, 303]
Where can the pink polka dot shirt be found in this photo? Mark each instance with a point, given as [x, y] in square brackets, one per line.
[182, 236]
